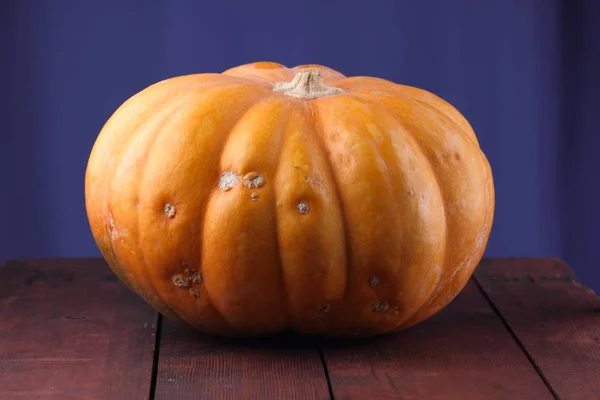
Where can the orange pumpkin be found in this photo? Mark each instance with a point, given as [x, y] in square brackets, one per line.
[268, 198]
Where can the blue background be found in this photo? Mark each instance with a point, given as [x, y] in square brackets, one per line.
[525, 73]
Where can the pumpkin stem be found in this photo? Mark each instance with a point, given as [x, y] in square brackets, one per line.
[307, 84]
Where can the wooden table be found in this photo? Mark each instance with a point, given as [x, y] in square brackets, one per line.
[521, 329]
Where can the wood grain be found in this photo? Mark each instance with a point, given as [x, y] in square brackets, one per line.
[70, 330]
[197, 366]
[555, 318]
[464, 352]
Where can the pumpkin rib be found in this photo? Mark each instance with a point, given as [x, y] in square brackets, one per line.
[156, 133]
[441, 249]
[408, 136]
[448, 276]
[451, 278]
[319, 129]
[384, 152]
[365, 192]
[253, 80]
[229, 160]
[261, 76]
[308, 241]
[119, 141]
[285, 295]
[204, 206]
[469, 135]
[161, 118]
[482, 234]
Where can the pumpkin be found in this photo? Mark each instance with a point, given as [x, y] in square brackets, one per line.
[268, 199]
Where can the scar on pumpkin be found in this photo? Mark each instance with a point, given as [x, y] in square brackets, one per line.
[181, 281]
[253, 180]
[303, 207]
[228, 180]
[169, 210]
[323, 308]
[374, 281]
[379, 306]
[193, 276]
[112, 229]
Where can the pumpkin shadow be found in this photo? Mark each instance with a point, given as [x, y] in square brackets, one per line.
[180, 333]
[291, 340]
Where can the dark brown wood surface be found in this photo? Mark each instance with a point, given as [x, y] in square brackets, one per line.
[554, 317]
[195, 366]
[70, 330]
[521, 329]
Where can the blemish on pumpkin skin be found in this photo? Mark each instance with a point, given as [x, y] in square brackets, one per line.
[374, 281]
[194, 293]
[253, 180]
[181, 281]
[194, 276]
[410, 192]
[170, 210]
[323, 308]
[254, 196]
[112, 229]
[380, 306]
[228, 180]
[303, 207]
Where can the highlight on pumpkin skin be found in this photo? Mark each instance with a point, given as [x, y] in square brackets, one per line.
[254, 196]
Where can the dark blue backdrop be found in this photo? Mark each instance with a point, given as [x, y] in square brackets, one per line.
[525, 73]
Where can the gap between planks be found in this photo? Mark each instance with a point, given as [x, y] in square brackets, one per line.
[154, 374]
[516, 339]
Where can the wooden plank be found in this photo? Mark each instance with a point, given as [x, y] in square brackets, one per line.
[70, 330]
[555, 318]
[193, 365]
[464, 352]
